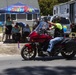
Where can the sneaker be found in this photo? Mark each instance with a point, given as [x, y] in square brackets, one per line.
[46, 53]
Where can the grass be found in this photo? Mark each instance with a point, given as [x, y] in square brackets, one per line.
[1, 29]
[31, 28]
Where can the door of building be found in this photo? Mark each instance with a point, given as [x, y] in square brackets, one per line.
[72, 14]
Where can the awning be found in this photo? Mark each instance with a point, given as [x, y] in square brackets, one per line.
[19, 8]
[2, 10]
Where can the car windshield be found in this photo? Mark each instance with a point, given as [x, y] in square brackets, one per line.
[47, 17]
[42, 25]
[64, 20]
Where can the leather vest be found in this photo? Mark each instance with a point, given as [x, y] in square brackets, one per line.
[58, 33]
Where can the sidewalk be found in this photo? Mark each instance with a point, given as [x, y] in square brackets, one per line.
[10, 49]
[7, 48]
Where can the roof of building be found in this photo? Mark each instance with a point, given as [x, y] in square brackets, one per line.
[69, 2]
[33, 3]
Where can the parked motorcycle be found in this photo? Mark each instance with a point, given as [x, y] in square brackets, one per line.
[38, 42]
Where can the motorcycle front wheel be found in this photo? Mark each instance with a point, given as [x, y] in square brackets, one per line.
[28, 54]
[68, 55]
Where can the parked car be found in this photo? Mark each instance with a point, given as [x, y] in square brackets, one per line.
[65, 22]
[46, 18]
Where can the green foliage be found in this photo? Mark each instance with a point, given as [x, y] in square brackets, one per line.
[62, 1]
[46, 6]
[0, 29]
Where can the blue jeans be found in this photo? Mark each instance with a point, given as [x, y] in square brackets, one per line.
[53, 42]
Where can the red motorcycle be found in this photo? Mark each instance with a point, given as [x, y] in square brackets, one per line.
[39, 40]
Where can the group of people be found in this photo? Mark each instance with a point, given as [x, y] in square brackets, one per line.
[58, 33]
[18, 33]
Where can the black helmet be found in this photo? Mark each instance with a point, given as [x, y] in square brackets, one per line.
[57, 19]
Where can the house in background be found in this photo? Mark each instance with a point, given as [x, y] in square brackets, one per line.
[19, 17]
[67, 9]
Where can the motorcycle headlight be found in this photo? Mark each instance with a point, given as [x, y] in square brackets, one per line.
[28, 38]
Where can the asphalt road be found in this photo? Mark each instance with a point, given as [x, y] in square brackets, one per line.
[15, 65]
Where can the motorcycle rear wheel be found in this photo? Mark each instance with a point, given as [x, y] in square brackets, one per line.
[28, 54]
[68, 55]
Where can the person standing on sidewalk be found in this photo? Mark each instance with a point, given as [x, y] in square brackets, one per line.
[8, 27]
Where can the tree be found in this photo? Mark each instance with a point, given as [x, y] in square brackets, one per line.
[62, 1]
[46, 6]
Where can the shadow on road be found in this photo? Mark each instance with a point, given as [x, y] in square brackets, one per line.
[49, 58]
[41, 70]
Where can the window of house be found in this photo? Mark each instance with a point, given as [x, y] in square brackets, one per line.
[2, 17]
[29, 16]
[7, 15]
[13, 16]
[57, 10]
[67, 10]
[54, 11]
[34, 16]
[75, 8]
[21, 16]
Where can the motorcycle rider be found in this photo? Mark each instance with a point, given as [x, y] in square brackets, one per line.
[58, 34]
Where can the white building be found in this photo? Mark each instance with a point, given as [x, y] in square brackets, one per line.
[19, 17]
[67, 9]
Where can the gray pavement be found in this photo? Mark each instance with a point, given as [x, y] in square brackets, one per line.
[15, 65]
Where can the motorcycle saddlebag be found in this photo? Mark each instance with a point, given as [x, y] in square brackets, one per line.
[70, 44]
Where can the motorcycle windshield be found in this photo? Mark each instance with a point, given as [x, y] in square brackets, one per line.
[42, 25]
